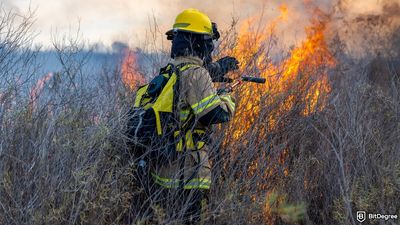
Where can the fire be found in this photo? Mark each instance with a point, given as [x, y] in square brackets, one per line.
[298, 84]
[37, 89]
[252, 40]
[300, 77]
[284, 12]
[131, 76]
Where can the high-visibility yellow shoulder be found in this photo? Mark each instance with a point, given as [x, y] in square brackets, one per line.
[139, 94]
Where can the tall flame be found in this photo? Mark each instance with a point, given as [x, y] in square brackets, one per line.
[297, 84]
[131, 76]
[304, 69]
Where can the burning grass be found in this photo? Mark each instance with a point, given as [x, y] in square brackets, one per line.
[318, 142]
[131, 76]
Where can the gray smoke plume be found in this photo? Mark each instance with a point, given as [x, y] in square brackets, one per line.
[359, 23]
[369, 27]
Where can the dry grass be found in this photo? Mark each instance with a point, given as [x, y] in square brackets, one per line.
[65, 161]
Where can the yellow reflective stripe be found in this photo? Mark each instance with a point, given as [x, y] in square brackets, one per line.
[198, 186]
[205, 103]
[200, 183]
[179, 146]
[200, 145]
[198, 131]
[189, 141]
[147, 106]
[160, 178]
[228, 100]
[176, 133]
[184, 115]
[158, 123]
[187, 66]
[190, 144]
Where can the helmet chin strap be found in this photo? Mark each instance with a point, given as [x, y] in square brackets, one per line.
[216, 34]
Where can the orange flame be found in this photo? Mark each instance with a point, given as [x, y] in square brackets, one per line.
[305, 69]
[131, 76]
[284, 12]
[37, 89]
[297, 84]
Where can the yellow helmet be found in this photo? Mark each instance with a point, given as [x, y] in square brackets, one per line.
[192, 20]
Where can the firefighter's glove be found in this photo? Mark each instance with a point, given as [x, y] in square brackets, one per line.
[221, 67]
[223, 91]
[227, 64]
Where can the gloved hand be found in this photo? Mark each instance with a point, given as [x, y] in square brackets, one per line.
[223, 91]
[227, 64]
[221, 67]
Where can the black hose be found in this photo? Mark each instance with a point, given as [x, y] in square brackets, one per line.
[254, 79]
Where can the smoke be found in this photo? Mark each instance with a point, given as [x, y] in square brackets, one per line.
[98, 20]
[359, 23]
[354, 8]
[127, 20]
[119, 46]
[369, 27]
[130, 21]
[8, 5]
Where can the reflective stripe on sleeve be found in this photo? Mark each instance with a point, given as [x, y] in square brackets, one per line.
[228, 100]
[187, 66]
[205, 103]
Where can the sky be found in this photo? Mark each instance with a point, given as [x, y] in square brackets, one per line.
[106, 21]
[103, 20]
[98, 20]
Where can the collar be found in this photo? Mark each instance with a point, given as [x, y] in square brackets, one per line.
[188, 59]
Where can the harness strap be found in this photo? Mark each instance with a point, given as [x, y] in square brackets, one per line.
[182, 135]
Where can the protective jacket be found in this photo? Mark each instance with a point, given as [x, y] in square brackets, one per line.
[200, 104]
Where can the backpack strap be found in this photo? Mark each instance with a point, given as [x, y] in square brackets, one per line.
[178, 70]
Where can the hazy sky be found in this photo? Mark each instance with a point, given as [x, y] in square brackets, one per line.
[127, 20]
[99, 20]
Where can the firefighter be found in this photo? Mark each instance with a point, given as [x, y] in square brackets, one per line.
[185, 181]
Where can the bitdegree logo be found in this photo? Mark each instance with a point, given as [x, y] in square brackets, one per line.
[379, 216]
[362, 216]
